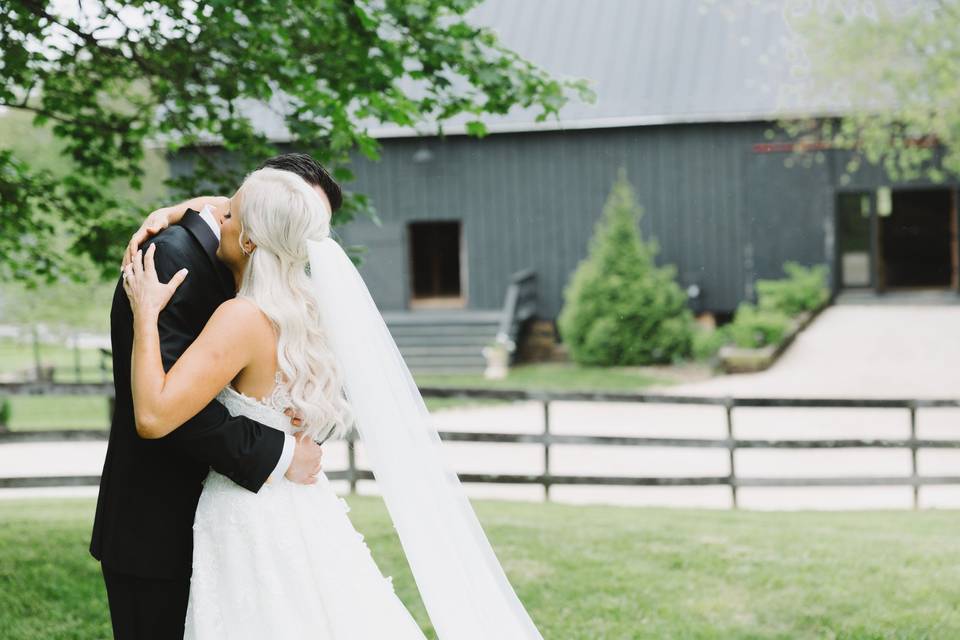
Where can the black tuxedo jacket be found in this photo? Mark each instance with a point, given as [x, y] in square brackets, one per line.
[149, 488]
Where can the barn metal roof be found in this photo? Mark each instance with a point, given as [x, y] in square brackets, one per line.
[648, 61]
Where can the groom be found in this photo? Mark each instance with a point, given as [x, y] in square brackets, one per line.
[143, 530]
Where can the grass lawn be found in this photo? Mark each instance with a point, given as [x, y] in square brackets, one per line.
[550, 376]
[30, 413]
[592, 572]
[90, 412]
[16, 357]
[54, 412]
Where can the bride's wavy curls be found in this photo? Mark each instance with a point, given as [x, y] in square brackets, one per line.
[279, 212]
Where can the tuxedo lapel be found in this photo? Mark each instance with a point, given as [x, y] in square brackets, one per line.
[202, 233]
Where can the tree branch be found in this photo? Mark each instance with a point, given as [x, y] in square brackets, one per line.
[120, 128]
[39, 11]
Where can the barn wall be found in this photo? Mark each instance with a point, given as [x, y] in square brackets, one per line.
[532, 200]
[788, 215]
[721, 212]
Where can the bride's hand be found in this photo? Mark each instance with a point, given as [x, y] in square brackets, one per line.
[156, 222]
[146, 293]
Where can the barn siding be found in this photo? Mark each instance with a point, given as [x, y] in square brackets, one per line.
[722, 213]
[533, 199]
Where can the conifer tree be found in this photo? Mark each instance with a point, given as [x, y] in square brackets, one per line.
[621, 308]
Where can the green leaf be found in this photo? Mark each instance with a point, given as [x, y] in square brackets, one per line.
[476, 128]
[177, 80]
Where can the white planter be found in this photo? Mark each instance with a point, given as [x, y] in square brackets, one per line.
[498, 361]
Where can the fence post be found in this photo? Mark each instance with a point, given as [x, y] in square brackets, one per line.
[36, 353]
[351, 465]
[76, 358]
[914, 476]
[731, 448]
[546, 450]
[5, 412]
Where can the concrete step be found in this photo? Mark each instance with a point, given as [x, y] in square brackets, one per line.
[443, 330]
[442, 317]
[417, 361]
[433, 356]
[442, 371]
[442, 351]
[443, 340]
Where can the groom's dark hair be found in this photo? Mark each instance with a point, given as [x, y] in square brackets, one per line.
[311, 171]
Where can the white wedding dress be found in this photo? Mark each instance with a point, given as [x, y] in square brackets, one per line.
[285, 562]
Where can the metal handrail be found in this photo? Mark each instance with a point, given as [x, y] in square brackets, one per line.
[520, 304]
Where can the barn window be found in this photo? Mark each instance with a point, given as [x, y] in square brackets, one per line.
[435, 264]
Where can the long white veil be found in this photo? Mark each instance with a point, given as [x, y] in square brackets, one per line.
[463, 586]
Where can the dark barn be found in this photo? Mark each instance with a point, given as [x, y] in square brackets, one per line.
[688, 95]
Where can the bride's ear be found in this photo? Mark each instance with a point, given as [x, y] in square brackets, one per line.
[247, 245]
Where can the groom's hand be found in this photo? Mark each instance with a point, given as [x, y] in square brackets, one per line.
[306, 461]
[295, 418]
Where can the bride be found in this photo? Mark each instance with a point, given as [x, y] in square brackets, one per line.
[303, 333]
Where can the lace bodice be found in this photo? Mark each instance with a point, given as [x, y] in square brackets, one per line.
[268, 411]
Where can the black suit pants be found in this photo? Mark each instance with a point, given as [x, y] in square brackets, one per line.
[146, 608]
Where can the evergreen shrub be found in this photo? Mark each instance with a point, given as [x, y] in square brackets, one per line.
[755, 327]
[620, 308]
[804, 289]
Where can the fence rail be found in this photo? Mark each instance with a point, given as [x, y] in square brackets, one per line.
[546, 439]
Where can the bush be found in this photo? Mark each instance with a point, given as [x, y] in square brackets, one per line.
[6, 412]
[707, 342]
[754, 327]
[620, 308]
[778, 301]
[802, 290]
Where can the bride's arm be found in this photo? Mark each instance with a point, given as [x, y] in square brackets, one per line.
[162, 218]
[164, 401]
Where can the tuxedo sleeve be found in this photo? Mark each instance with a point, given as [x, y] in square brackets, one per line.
[242, 449]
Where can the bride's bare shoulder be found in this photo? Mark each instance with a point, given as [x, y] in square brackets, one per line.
[241, 317]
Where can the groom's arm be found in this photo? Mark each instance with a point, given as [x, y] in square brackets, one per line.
[242, 449]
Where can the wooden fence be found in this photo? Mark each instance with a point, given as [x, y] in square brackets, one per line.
[547, 439]
[86, 364]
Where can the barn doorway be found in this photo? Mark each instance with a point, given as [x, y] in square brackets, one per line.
[917, 240]
[435, 265]
[898, 240]
[853, 240]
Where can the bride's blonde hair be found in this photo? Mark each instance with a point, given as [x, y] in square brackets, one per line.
[279, 212]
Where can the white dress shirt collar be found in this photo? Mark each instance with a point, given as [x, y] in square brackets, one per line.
[207, 216]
